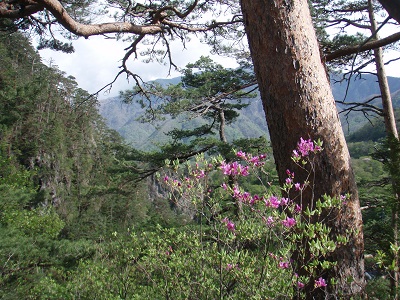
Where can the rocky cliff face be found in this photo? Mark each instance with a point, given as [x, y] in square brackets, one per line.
[161, 198]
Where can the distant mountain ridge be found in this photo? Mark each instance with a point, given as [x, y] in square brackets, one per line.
[360, 88]
[251, 123]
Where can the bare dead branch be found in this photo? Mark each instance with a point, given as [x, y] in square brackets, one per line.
[361, 106]
[392, 60]
[348, 22]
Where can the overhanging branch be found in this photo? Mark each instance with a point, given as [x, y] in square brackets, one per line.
[361, 48]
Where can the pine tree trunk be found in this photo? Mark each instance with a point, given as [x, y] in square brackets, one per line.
[298, 102]
[393, 138]
[221, 115]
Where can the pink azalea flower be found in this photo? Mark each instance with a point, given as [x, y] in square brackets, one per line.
[283, 264]
[272, 255]
[284, 201]
[317, 148]
[246, 197]
[236, 192]
[255, 159]
[229, 224]
[241, 154]
[270, 221]
[320, 283]
[244, 171]
[263, 156]
[289, 222]
[305, 147]
[177, 182]
[226, 168]
[254, 199]
[300, 285]
[290, 174]
[234, 169]
[200, 174]
[343, 198]
[259, 164]
[273, 201]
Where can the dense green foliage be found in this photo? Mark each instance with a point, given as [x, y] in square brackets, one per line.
[61, 173]
[369, 149]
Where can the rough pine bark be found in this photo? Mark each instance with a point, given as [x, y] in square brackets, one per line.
[298, 102]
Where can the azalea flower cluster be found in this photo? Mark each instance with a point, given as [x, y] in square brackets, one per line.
[289, 182]
[318, 283]
[282, 205]
[305, 148]
[256, 161]
[277, 212]
[283, 264]
[230, 267]
[234, 169]
[273, 201]
[237, 169]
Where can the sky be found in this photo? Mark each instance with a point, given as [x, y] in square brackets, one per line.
[96, 62]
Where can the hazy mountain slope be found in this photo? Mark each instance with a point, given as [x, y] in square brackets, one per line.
[360, 88]
[251, 123]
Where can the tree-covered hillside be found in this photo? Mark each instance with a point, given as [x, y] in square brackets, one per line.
[52, 128]
[64, 177]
